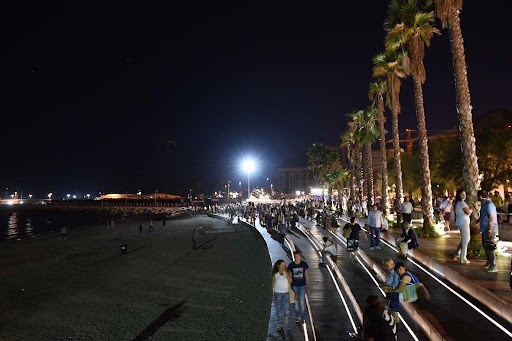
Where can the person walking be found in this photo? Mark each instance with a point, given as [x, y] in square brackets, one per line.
[281, 281]
[406, 209]
[195, 236]
[281, 229]
[140, 227]
[352, 229]
[446, 212]
[298, 270]
[150, 228]
[489, 229]
[462, 220]
[374, 224]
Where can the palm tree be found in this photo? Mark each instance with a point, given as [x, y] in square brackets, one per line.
[355, 141]
[377, 89]
[324, 161]
[347, 141]
[391, 66]
[448, 12]
[335, 180]
[410, 27]
[368, 131]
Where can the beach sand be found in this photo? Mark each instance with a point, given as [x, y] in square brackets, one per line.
[82, 288]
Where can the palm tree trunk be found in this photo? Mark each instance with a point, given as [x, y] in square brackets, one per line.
[359, 170]
[352, 175]
[425, 184]
[369, 174]
[467, 136]
[396, 158]
[365, 171]
[384, 165]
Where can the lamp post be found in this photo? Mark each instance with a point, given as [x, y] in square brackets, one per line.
[248, 166]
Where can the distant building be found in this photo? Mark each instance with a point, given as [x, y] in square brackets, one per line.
[290, 180]
[149, 196]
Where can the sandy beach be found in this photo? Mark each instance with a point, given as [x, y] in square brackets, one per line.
[83, 288]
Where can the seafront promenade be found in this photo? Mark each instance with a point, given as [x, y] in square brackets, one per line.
[461, 294]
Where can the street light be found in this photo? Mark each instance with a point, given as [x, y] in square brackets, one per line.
[248, 166]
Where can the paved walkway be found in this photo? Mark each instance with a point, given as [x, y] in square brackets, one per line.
[442, 250]
[447, 313]
[330, 319]
[451, 318]
[290, 331]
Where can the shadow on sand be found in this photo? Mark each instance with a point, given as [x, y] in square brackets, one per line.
[170, 313]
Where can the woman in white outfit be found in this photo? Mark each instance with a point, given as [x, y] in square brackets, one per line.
[281, 280]
[462, 219]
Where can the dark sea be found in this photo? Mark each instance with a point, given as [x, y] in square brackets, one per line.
[23, 222]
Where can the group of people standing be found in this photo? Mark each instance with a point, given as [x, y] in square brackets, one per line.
[487, 223]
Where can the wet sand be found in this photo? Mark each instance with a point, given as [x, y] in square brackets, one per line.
[82, 288]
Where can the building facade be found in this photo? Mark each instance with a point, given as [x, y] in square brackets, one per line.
[291, 180]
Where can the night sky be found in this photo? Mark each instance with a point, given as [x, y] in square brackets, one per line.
[91, 93]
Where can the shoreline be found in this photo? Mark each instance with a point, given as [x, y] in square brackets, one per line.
[103, 210]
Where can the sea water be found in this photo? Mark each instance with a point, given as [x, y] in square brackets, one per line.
[18, 223]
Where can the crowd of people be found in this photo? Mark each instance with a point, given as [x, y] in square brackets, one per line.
[291, 282]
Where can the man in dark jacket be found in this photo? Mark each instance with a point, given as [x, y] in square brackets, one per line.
[408, 240]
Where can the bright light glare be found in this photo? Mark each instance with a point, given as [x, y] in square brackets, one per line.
[248, 166]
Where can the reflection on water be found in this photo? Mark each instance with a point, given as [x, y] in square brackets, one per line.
[29, 228]
[12, 231]
[18, 224]
[15, 226]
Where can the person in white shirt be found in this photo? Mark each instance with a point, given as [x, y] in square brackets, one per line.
[281, 280]
[374, 224]
[446, 212]
[462, 220]
[406, 209]
[329, 249]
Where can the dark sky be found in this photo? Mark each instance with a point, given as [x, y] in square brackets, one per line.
[92, 92]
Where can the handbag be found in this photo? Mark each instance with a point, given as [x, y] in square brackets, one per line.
[346, 233]
[409, 294]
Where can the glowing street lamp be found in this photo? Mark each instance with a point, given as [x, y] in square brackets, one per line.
[248, 166]
[50, 196]
[68, 195]
[30, 196]
[88, 195]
